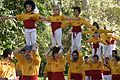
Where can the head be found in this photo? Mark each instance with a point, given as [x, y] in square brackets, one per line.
[29, 5]
[95, 58]
[107, 60]
[96, 25]
[8, 53]
[75, 55]
[77, 11]
[86, 58]
[117, 58]
[55, 51]
[56, 10]
[96, 34]
[114, 53]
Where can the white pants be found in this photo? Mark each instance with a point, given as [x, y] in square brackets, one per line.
[30, 36]
[87, 78]
[107, 50]
[76, 41]
[107, 77]
[57, 38]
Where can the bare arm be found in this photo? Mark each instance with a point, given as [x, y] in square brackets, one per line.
[4, 18]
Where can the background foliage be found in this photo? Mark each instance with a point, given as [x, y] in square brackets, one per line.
[105, 12]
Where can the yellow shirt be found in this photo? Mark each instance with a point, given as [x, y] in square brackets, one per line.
[59, 18]
[75, 67]
[30, 67]
[79, 22]
[115, 69]
[7, 69]
[100, 31]
[86, 66]
[96, 66]
[48, 67]
[57, 65]
[26, 16]
[96, 40]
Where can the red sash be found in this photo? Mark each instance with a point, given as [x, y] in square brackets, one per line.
[55, 26]
[49, 75]
[29, 24]
[116, 77]
[57, 76]
[96, 74]
[76, 76]
[76, 29]
[95, 46]
[106, 72]
[87, 72]
[29, 77]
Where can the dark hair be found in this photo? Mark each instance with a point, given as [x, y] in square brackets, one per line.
[117, 58]
[75, 51]
[29, 2]
[7, 52]
[114, 51]
[107, 58]
[55, 50]
[96, 56]
[96, 25]
[77, 8]
[86, 57]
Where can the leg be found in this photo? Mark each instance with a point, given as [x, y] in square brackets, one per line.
[73, 41]
[78, 41]
[93, 51]
[53, 41]
[27, 37]
[33, 37]
[58, 37]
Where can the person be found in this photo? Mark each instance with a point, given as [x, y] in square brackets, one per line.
[57, 64]
[30, 61]
[115, 68]
[106, 69]
[7, 67]
[56, 20]
[76, 29]
[48, 71]
[75, 71]
[29, 18]
[95, 40]
[86, 66]
[96, 68]
[110, 40]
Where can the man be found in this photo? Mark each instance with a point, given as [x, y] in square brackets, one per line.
[7, 67]
[30, 63]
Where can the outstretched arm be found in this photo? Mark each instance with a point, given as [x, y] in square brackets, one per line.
[4, 18]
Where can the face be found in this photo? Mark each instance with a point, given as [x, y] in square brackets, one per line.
[95, 59]
[28, 8]
[27, 56]
[86, 59]
[11, 56]
[106, 60]
[96, 34]
[113, 54]
[56, 10]
[74, 56]
[76, 12]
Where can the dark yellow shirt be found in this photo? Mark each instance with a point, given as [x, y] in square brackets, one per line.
[30, 67]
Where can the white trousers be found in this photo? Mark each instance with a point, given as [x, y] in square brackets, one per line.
[107, 77]
[87, 78]
[107, 50]
[57, 38]
[76, 41]
[30, 36]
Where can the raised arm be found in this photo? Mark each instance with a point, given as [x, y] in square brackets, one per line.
[89, 40]
[4, 18]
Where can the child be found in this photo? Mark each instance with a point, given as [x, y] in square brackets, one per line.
[76, 29]
[96, 68]
[95, 40]
[29, 18]
[57, 64]
[86, 66]
[76, 71]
